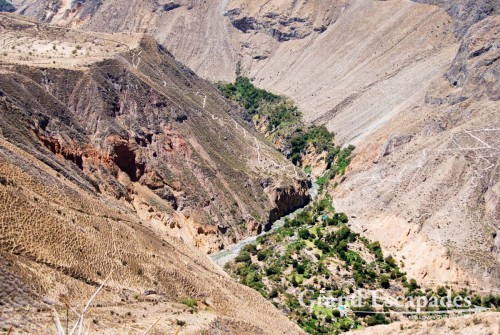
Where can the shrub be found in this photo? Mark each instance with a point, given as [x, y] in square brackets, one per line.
[384, 281]
[251, 248]
[254, 280]
[325, 204]
[391, 262]
[189, 302]
[304, 234]
[262, 255]
[376, 319]
[412, 286]
[273, 293]
[358, 279]
[244, 256]
[292, 302]
[345, 326]
[272, 270]
[376, 250]
[322, 245]
[490, 300]
[343, 218]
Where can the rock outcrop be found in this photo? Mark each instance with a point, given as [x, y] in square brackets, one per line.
[288, 199]
[280, 27]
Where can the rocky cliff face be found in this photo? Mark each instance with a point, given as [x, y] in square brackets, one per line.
[116, 159]
[465, 13]
[279, 26]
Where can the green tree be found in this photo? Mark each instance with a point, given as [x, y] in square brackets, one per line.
[244, 256]
[376, 319]
[304, 234]
[384, 281]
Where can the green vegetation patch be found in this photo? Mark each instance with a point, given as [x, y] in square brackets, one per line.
[307, 256]
[283, 123]
[189, 302]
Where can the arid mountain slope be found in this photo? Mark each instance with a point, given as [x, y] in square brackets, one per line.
[428, 181]
[431, 174]
[348, 64]
[351, 64]
[141, 113]
[413, 84]
[109, 149]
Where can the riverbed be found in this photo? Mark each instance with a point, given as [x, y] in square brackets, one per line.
[224, 256]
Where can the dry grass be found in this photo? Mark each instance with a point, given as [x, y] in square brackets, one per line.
[78, 327]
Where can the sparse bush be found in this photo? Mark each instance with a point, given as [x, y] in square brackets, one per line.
[189, 302]
[391, 261]
[441, 291]
[250, 248]
[304, 234]
[384, 281]
[244, 256]
[376, 319]
[262, 255]
[412, 286]
[246, 94]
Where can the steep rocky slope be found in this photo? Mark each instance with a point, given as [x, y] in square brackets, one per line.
[348, 64]
[143, 119]
[109, 151]
[413, 84]
[429, 179]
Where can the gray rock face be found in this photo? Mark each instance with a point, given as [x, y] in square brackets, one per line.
[280, 27]
[475, 68]
[392, 145]
[465, 13]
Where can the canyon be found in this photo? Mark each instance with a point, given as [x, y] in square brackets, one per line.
[414, 85]
[120, 160]
[105, 174]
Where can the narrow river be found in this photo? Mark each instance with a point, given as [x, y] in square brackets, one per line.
[224, 256]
